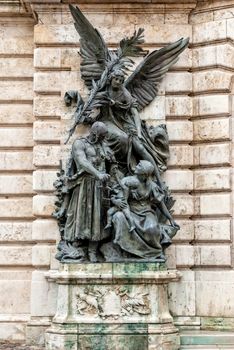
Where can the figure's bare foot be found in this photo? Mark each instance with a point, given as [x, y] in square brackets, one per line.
[132, 228]
[93, 257]
[107, 226]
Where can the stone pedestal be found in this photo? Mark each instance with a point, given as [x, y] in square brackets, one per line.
[115, 306]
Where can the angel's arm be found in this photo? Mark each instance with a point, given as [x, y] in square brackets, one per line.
[137, 120]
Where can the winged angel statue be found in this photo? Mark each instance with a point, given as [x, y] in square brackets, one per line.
[113, 204]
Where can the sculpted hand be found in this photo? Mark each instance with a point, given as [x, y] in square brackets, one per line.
[174, 224]
[103, 177]
[120, 204]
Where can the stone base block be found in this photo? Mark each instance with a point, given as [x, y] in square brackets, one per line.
[118, 306]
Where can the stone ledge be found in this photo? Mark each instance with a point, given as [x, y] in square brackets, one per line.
[108, 273]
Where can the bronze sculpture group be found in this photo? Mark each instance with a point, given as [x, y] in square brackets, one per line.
[112, 203]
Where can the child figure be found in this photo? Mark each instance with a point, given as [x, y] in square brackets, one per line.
[119, 198]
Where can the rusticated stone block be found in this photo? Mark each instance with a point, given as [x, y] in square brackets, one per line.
[178, 82]
[46, 131]
[12, 332]
[211, 105]
[210, 179]
[212, 80]
[217, 288]
[180, 130]
[179, 106]
[43, 180]
[45, 230]
[44, 155]
[16, 113]
[222, 54]
[15, 231]
[181, 156]
[65, 58]
[43, 295]
[223, 13]
[41, 255]
[9, 298]
[212, 154]
[210, 31]
[186, 232]
[214, 204]
[15, 184]
[178, 180]
[12, 161]
[15, 207]
[208, 255]
[19, 137]
[185, 255]
[156, 110]
[213, 230]
[16, 90]
[184, 205]
[15, 255]
[230, 30]
[212, 129]
[43, 205]
[50, 106]
[16, 67]
[16, 39]
[167, 33]
[182, 295]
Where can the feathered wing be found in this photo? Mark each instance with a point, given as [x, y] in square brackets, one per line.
[93, 50]
[143, 83]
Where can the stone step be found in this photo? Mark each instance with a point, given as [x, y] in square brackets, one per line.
[207, 340]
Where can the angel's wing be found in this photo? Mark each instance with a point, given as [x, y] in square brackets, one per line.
[144, 81]
[93, 49]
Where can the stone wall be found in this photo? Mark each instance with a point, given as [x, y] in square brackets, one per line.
[38, 64]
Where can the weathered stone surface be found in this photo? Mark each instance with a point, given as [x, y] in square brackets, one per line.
[16, 90]
[223, 13]
[181, 156]
[212, 230]
[44, 155]
[12, 161]
[16, 39]
[208, 255]
[178, 82]
[15, 231]
[218, 179]
[179, 106]
[222, 54]
[15, 207]
[214, 204]
[45, 230]
[178, 180]
[43, 180]
[186, 232]
[230, 30]
[211, 105]
[185, 256]
[60, 58]
[212, 80]
[182, 298]
[212, 154]
[46, 131]
[180, 130]
[41, 255]
[212, 129]
[184, 205]
[16, 67]
[16, 113]
[43, 205]
[51, 34]
[11, 304]
[15, 255]
[212, 286]
[156, 110]
[45, 293]
[12, 332]
[19, 137]
[205, 32]
[14, 184]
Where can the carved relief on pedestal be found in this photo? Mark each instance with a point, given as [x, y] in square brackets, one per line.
[113, 302]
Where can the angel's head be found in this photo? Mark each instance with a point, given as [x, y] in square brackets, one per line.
[116, 78]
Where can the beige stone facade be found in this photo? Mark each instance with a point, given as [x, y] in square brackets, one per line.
[38, 64]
